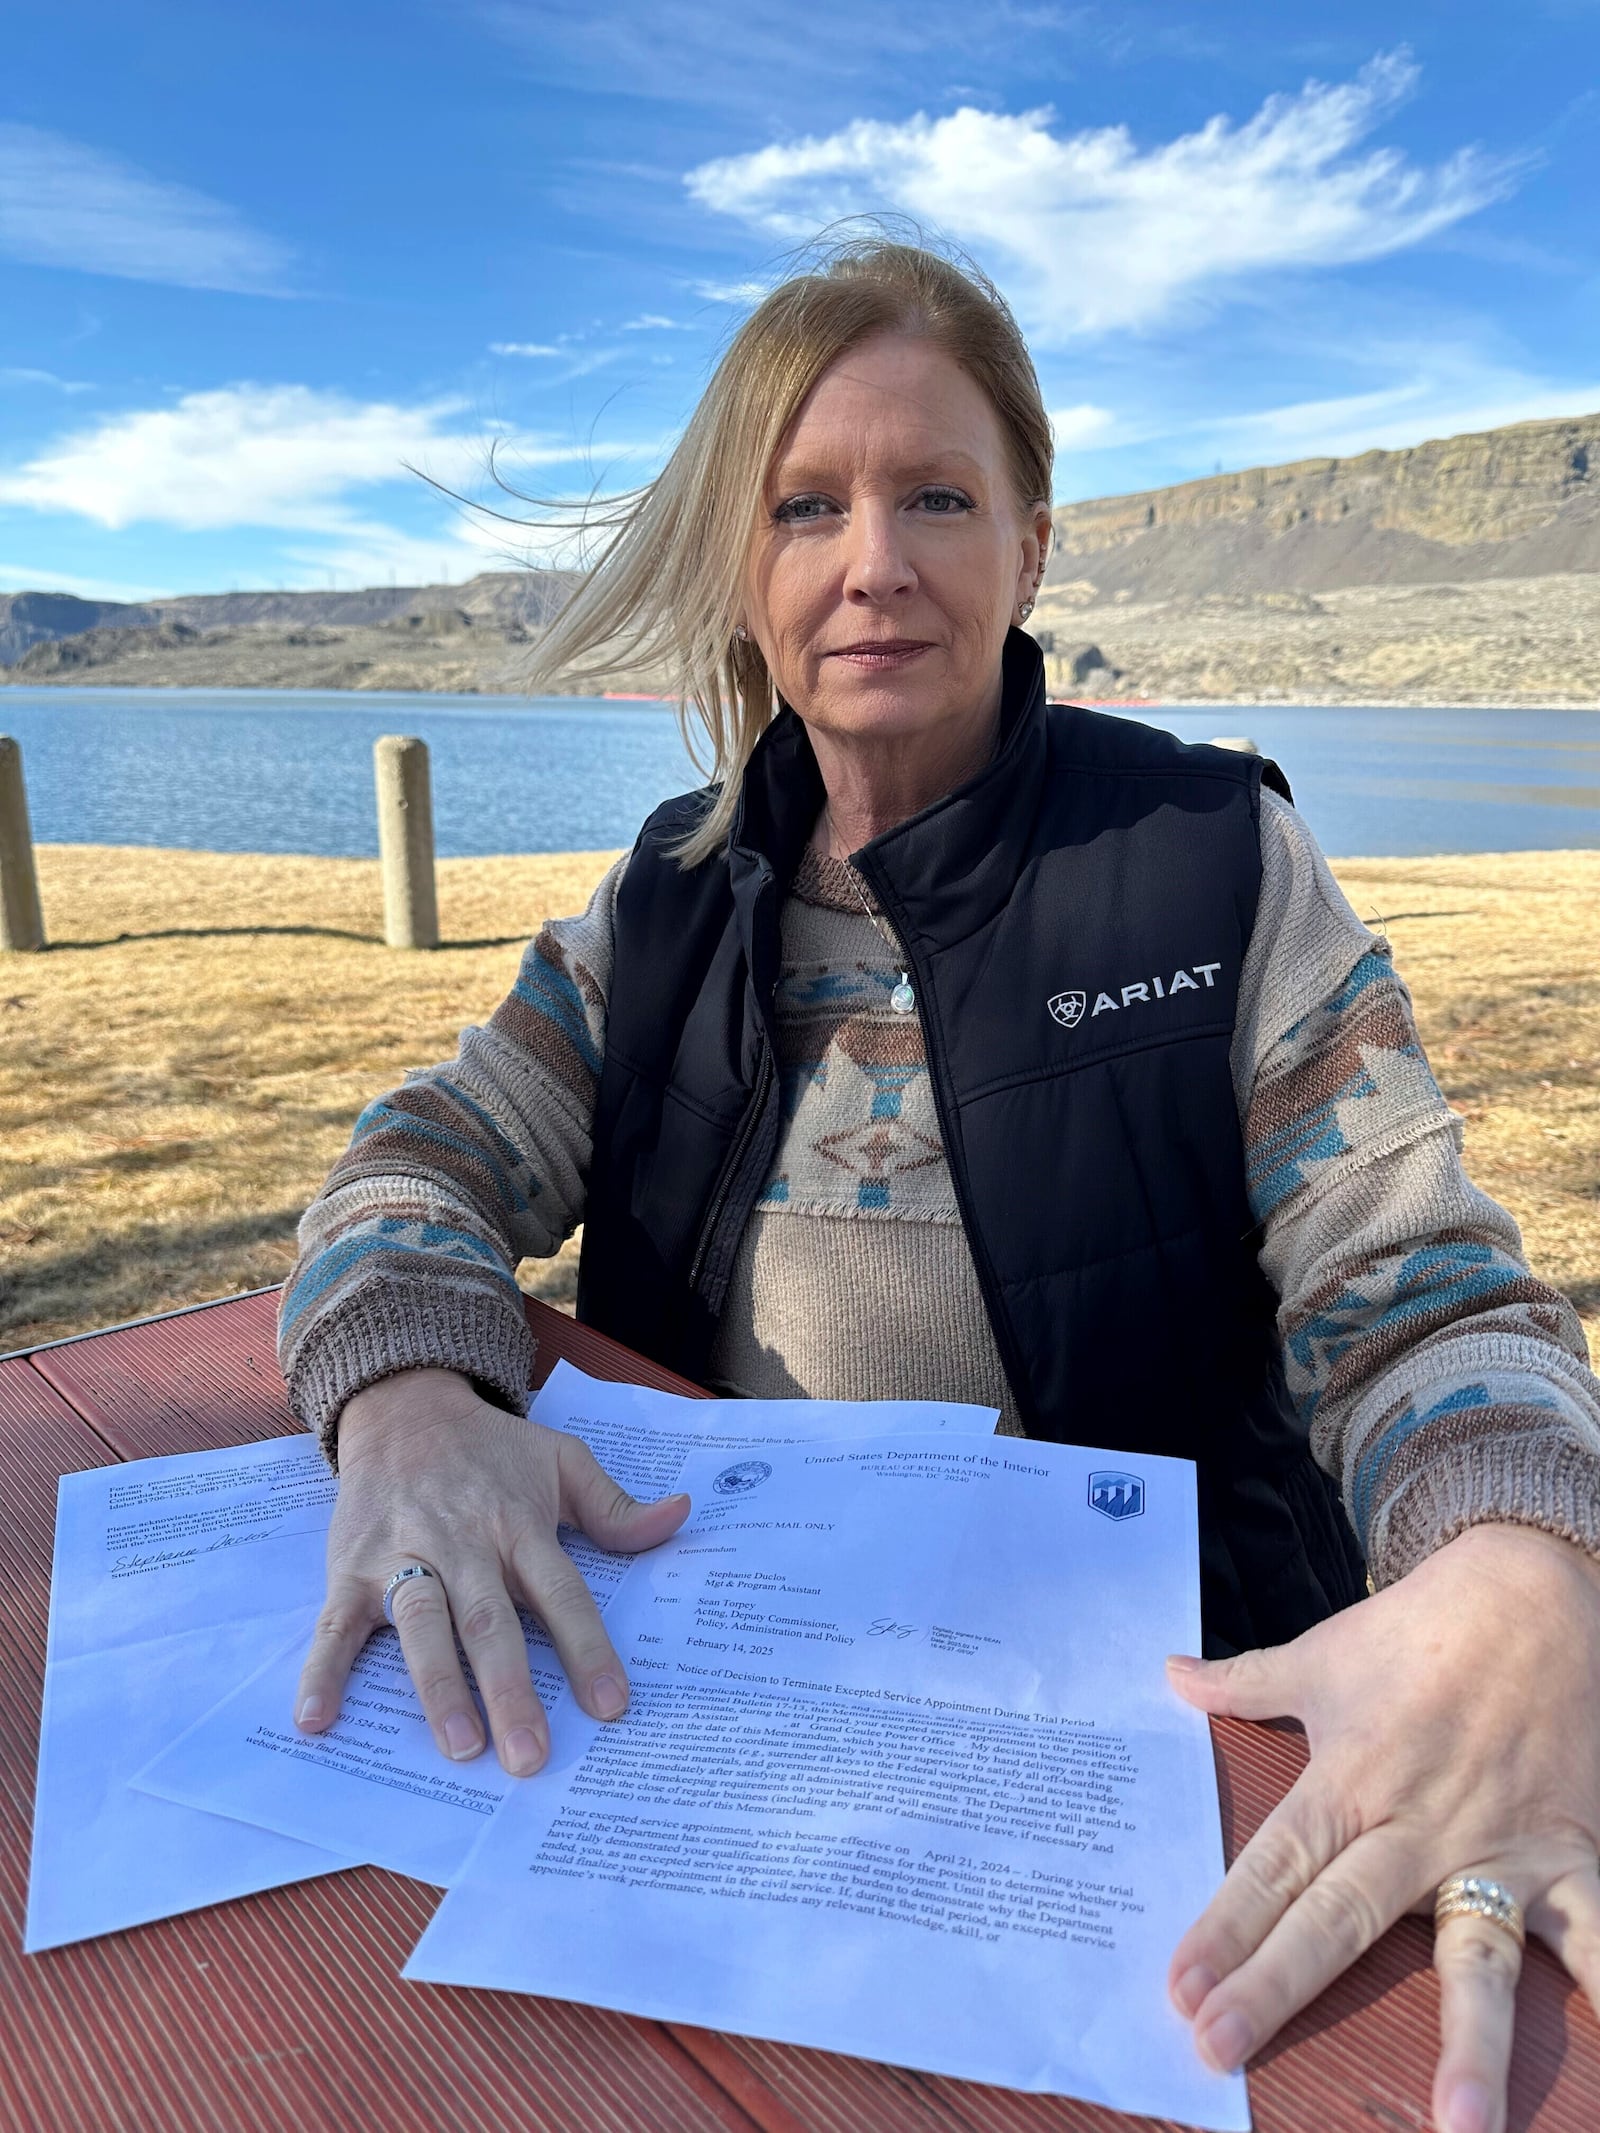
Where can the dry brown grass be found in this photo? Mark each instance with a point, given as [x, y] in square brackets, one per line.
[182, 1066]
[1499, 951]
[178, 1072]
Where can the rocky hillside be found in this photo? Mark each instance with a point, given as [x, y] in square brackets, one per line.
[505, 599]
[1522, 502]
[1466, 571]
[1498, 641]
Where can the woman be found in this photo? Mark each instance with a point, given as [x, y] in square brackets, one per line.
[955, 1046]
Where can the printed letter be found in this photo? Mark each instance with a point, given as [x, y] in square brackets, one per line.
[1182, 982]
[1102, 1003]
[1205, 970]
[1130, 993]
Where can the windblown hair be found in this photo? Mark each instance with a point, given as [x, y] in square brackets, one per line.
[668, 591]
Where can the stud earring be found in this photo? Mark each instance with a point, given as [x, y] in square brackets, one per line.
[1026, 610]
[741, 633]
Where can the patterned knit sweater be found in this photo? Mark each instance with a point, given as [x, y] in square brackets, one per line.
[1441, 1383]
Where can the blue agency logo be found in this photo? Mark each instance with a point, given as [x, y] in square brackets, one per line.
[1116, 1495]
[741, 1479]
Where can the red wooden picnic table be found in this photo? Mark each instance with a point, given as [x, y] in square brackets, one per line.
[286, 2010]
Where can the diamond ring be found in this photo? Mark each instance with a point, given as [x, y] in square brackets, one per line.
[411, 1570]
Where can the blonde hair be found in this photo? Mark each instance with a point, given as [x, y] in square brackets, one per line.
[666, 594]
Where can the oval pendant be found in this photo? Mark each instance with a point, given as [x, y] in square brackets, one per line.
[903, 999]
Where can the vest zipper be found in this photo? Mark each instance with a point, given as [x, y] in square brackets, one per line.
[1021, 1389]
[729, 1178]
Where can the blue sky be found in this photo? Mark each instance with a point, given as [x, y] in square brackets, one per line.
[255, 260]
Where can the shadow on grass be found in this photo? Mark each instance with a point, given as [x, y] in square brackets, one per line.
[246, 933]
[219, 933]
[148, 1266]
[1391, 918]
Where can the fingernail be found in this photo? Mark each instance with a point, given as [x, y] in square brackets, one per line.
[311, 1711]
[609, 1697]
[1469, 2109]
[462, 1736]
[524, 1751]
[1183, 1663]
[1226, 2042]
[1192, 1988]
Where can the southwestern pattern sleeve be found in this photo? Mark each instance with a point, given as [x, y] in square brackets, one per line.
[1442, 1383]
[408, 1254]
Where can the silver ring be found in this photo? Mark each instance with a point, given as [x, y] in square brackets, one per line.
[1476, 1896]
[411, 1570]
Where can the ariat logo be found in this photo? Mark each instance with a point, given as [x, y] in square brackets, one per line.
[1071, 1008]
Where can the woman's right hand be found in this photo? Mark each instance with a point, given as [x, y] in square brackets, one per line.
[430, 1473]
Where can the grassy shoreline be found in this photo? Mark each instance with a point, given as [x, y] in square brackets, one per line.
[1328, 701]
[179, 1070]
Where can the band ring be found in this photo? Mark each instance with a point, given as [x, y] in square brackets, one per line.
[411, 1570]
[1475, 1896]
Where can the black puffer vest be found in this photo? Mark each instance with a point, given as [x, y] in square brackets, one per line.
[1075, 917]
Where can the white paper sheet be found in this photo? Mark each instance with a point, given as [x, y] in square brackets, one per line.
[902, 1776]
[374, 1786]
[172, 1578]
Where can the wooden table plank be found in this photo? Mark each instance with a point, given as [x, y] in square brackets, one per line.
[181, 1384]
[204, 1378]
[1361, 2059]
[287, 2009]
[40, 1439]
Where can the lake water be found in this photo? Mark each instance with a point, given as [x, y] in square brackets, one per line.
[241, 771]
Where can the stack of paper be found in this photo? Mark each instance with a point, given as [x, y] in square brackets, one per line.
[374, 1786]
[901, 1775]
[171, 1578]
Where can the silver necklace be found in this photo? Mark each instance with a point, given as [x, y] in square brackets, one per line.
[903, 998]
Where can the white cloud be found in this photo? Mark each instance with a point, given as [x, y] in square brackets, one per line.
[524, 348]
[30, 577]
[17, 374]
[1423, 406]
[1425, 391]
[64, 204]
[243, 455]
[1081, 425]
[654, 322]
[273, 455]
[369, 552]
[1094, 235]
[738, 293]
[374, 553]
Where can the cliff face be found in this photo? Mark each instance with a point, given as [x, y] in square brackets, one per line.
[30, 618]
[1522, 502]
[507, 599]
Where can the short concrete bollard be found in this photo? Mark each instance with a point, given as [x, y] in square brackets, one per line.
[21, 915]
[1241, 743]
[405, 842]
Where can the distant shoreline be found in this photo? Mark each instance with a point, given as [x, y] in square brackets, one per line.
[666, 703]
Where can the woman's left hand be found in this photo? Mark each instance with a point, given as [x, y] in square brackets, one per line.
[1454, 1727]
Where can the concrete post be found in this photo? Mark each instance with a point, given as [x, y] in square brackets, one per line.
[405, 842]
[21, 916]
